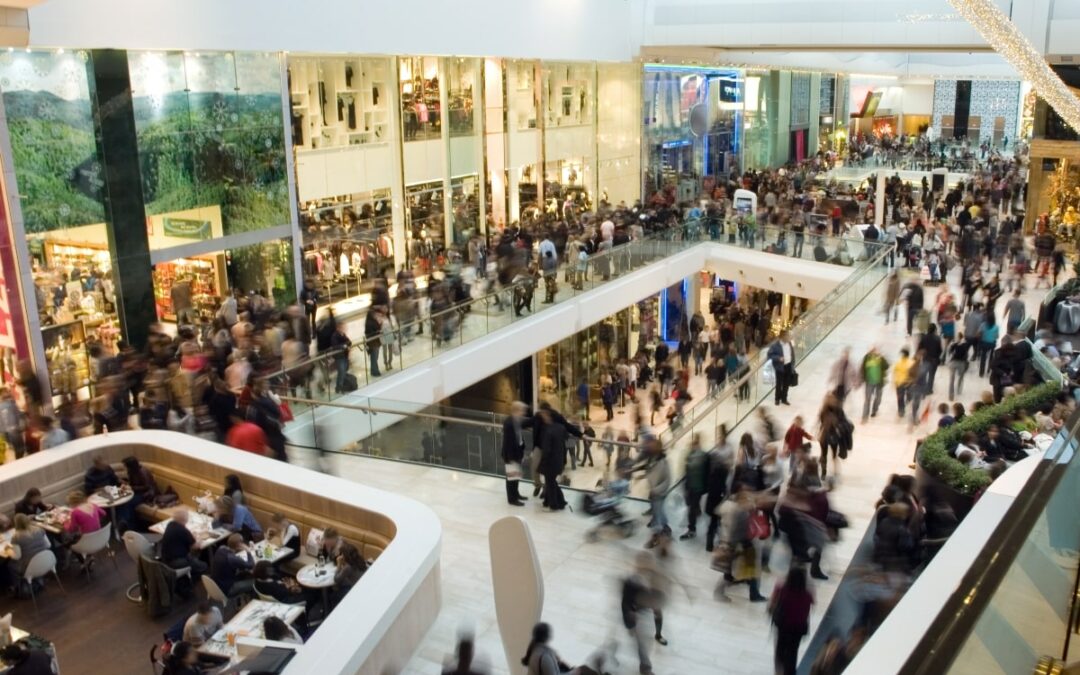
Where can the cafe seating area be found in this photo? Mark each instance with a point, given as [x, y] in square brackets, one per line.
[370, 628]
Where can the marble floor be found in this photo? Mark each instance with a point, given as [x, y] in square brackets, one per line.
[581, 578]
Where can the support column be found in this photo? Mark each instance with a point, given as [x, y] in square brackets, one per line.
[879, 200]
[125, 215]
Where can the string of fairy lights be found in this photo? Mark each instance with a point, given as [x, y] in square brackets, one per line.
[1006, 39]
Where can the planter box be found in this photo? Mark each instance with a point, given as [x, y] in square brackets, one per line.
[960, 503]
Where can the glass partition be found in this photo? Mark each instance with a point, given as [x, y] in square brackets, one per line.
[420, 103]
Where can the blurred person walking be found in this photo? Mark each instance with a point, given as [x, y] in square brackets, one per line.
[789, 608]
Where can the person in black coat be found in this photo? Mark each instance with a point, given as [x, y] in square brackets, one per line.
[932, 349]
[552, 443]
[513, 450]
[914, 291]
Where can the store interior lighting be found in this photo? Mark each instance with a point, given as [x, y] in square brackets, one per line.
[1006, 39]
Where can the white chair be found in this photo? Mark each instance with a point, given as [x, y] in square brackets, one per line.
[41, 564]
[136, 546]
[89, 545]
[262, 596]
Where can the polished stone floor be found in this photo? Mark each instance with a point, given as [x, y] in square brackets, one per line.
[581, 578]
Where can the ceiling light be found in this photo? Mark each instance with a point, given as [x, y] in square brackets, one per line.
[1006, 39]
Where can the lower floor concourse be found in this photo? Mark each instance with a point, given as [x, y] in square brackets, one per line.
[582, 579]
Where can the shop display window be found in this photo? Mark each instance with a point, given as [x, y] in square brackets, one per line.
[424, 225]
[465, 207]
[187, 289]
[420, 104]
[462, 95]
[348, 243]
[569, 96]
[265, 268]
[337, 102]
[210, 136]
[693, 121]
[67, 357]
[521, 94]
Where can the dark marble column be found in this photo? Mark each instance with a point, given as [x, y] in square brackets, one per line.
[125, 217]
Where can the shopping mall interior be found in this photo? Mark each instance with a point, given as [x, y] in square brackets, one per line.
[589, 336]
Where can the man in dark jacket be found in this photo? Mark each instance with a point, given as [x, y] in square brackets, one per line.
[914, 292]
[373, 338]
[513, 450]
[552, 443]
[931, 346]
[310, 299]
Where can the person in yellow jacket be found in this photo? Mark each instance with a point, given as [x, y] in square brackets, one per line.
[903, 375]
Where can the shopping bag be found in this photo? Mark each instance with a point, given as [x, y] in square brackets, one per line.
[513, 471]
[768, 374]
[286, 412]
[759, 525]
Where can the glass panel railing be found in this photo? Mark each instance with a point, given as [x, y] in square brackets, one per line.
[743, 394]
[1015, 609]
[446, 327]
[438, 435]
[470, 440]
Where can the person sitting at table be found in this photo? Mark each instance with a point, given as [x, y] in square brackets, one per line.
[231, 562]
[85, 517]
[22, 659]
[99, 475]
[179, 547]
[28, 540]
[233, 489]
[283, 590]
[277, 630]
[350, 567]
[237, 518]
[31, 504]
[282, 532]
[182, 659]
[202, 625]
[330, 546]
[141, 481]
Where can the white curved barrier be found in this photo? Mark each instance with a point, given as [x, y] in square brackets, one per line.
[377, 625]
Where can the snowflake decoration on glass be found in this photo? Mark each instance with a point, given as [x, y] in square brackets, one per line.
[46, 111]
[64, 210]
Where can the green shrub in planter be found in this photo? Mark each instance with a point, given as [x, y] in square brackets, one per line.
[935, 454]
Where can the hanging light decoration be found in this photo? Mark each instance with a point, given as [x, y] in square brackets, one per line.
[1006, 39]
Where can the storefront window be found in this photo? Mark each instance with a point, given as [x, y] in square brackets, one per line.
[424, 225]
[47, 100]
[348, 243]
[568, 93]
[462, 95]
[265, 268]
[211, 144]
[336, 102]
[524, 139]
[618, 132]
[692, 129]
[465, 208]
[420, 104]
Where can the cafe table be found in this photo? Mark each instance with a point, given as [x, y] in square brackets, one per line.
[319, 576]
[248, 622]
[110, 497]
[264, 550]
[201, 527]
[53, 520]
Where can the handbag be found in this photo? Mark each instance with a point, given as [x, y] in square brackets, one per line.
[286, 412]
[513, 471]
[759, 526]
[793, 378]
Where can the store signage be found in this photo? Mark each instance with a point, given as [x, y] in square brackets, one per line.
[187, 228]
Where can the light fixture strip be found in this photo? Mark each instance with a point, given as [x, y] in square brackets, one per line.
[1002, 34]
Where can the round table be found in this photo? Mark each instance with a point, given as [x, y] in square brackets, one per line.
[318, 577]
[102, 500]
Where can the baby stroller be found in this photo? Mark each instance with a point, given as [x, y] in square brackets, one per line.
[605, 506]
